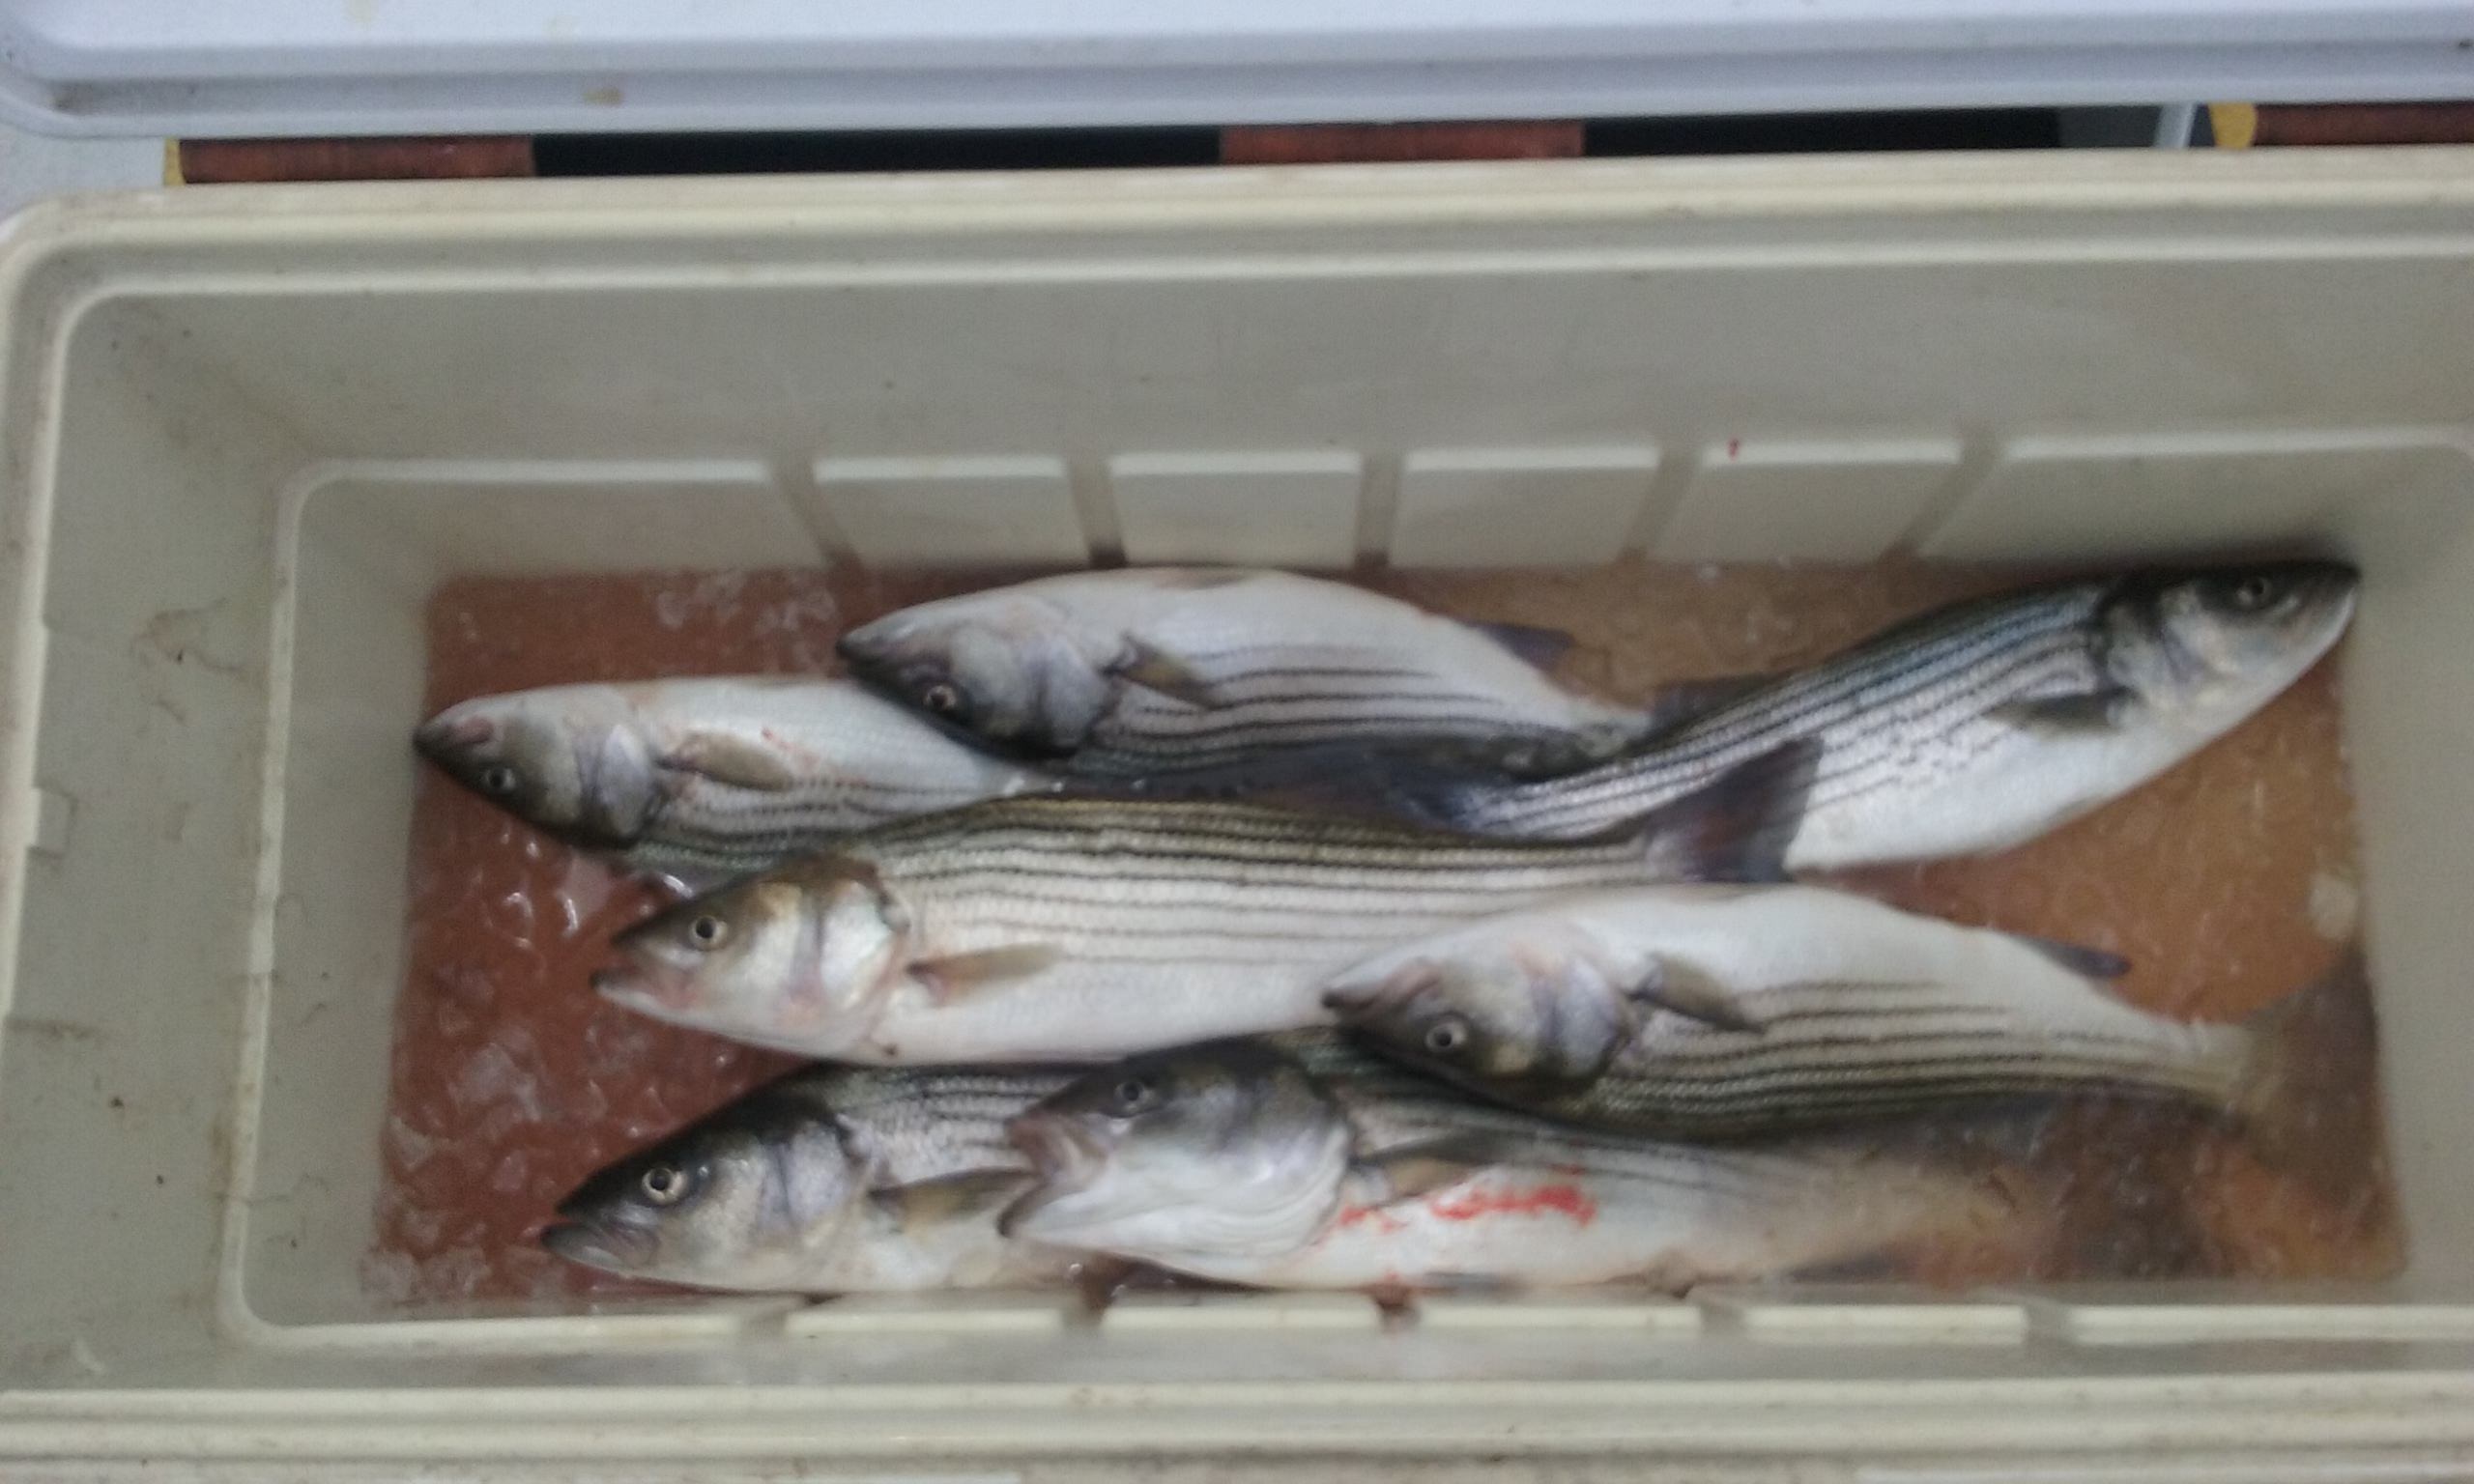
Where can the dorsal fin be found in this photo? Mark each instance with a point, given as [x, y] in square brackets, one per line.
[1541, 648]
[2078, 958]
[1684, 701]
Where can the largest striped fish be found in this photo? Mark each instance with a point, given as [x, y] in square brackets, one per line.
[1075, 929]
[1972, 728]
[1158, 672]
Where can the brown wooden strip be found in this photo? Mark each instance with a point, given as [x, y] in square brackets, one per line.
[2364, 123]
[1315, 144]
[447, 157]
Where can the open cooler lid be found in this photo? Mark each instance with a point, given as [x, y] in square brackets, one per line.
[342, 66]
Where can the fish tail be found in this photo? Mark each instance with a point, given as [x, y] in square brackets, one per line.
[2296, 1096]
[1440, 797]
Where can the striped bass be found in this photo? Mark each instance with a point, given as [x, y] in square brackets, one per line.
[1079, 930]
[1237, 1163]
[1970, 729]
[708, 778]
[834, 1180]
[1701, 1011]
[830, 1180]
[1153, 672]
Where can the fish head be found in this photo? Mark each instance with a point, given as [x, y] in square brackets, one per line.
[801, 958]
[1226, 1149]
[572, 758]
[1007, 667]
[754, 1197]
[2208, 648]
[1511, 1012]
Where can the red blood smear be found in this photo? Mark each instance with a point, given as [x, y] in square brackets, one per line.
[1376, 1216]
[1477, 1204]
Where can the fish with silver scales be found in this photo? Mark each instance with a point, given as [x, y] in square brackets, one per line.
[708, 778]
[1155, 673]
[1291, 1161]
[828, 1181]
[1717, 1012]
[1966, 730]
[1071, 930]
[1240, 1162]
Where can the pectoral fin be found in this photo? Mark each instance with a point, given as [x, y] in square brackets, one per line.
[1673, 984]
[1413, 1170]
[2084, 712]
[926, 1203]
[726, 758]
[1156, 670]
[951, 978]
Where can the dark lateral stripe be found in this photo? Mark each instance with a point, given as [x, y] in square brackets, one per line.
[1869, 682]
[1069, 918]
[1174, 855]
[1227, 741]
[1754, 1114]
[1880, 716]
[1920, 1054]
[1115, 892]
[1326, 708]
[1205, 946]
[1306, 845]
[1791, 1085]
[1852, 763]
[1822, 699]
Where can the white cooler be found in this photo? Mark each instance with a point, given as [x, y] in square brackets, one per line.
[245, 433]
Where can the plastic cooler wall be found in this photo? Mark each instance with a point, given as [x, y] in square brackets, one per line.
[247, 433]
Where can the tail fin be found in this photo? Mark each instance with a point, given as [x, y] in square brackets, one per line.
[1444, 797]
[1737, 826]
[2305, 1099]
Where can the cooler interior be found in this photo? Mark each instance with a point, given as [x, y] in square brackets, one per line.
[269, 444]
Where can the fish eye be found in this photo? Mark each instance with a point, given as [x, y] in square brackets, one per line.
[2251, 593]
[942, 698]
[707, 932]
[1449, 1033]
[1134, 1095]
[499, 779]
[665, 1184]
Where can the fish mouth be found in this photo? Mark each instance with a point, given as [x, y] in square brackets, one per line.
[598, 1245]
[868, 648]
[1354, 1000]
[630, 987]
[1350, 1003]
[448, 735]
[1066, 1156]
[2330, 589]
